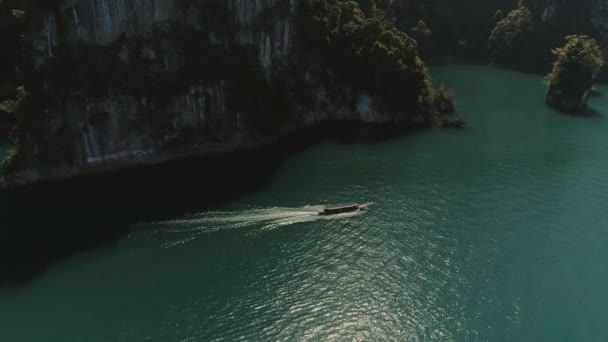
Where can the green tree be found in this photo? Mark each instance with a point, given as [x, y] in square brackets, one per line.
[577, 64]
[511, 40]
[368, 52]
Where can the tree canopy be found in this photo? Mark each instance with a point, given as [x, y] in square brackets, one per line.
[511, 37]
[369, 52]
[577, 64]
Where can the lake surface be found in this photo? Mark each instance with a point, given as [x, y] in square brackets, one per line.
[497, 232]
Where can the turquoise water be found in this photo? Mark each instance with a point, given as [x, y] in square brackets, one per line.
[496, 232]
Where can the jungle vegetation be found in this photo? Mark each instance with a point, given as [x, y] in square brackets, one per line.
[577, 65]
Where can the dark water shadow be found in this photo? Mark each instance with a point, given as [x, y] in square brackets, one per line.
[46, 223]
[595, 93]
[587, 113]
[538, 69]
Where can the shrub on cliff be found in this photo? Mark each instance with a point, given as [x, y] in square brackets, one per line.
[368, 52]
[578, 63]
[512, 39]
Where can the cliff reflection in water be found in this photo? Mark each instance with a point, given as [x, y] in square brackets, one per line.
[50, 222]
[47, 223]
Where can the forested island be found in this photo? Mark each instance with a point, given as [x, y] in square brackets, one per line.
[578, 63]
[99, 85]
[522, 42]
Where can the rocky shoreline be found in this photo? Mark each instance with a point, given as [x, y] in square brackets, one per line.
[563, 103]
[142, 159]
[133, 159]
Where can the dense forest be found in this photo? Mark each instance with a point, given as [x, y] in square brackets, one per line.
[376, 47]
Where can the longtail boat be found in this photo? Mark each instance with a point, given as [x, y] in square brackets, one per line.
[342, 208]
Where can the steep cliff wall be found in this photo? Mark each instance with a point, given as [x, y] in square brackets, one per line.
[103, 22]
[142, 81]
[599, 19]
[461, 28]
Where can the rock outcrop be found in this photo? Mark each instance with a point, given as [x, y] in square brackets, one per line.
[578, 64]
[567, 103]
[139, 90]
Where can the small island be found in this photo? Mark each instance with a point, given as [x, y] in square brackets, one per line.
[569, 83]
[513, 35]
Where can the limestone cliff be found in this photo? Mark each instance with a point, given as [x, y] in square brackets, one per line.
[599, 19]
[132, 82]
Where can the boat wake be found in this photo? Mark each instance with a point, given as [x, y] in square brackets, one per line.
[266, 218]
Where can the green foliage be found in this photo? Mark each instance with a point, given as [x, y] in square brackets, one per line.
[523, 39]
[577, 64]
[452, 22]
[472, 21]
[511, 38]
[368, 52]
[358, 47]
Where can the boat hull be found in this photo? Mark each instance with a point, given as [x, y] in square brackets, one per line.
[342, 209]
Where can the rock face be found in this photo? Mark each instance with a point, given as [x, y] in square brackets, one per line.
[103, 22]
[569, 104]
[599, 19]
[117, 125]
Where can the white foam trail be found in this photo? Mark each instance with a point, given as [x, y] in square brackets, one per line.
[292, 220]
[268, 218]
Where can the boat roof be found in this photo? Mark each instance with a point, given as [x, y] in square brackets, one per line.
[340, 206]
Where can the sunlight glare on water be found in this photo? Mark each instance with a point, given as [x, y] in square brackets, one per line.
[497, 232]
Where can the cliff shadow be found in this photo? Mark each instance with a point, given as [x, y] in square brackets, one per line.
[49, 222]
[586, 113]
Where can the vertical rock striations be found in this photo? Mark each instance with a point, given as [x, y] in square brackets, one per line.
[121, 82]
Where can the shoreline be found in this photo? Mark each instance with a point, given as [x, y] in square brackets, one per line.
[289, 139]
[113, 201]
